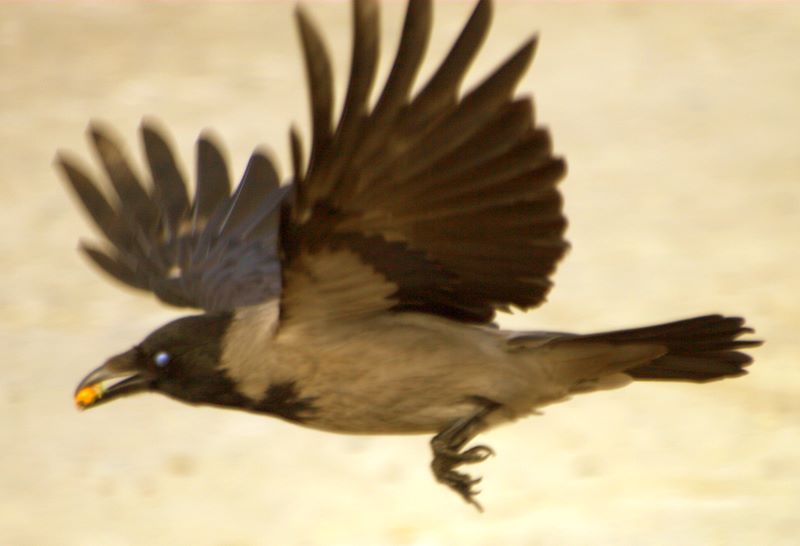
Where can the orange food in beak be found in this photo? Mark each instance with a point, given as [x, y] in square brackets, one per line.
[88, 395]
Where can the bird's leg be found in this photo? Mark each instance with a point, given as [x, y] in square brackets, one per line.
[447, 453]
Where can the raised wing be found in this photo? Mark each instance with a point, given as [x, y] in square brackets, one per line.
[216, 251]
[437, 202]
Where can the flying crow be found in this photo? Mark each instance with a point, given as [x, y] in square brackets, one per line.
[358, 297]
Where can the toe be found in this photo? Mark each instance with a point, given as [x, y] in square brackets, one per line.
[477, 454]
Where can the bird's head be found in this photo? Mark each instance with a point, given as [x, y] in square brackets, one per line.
[180, 359]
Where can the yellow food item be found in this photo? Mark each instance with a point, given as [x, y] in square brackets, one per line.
[88, 395]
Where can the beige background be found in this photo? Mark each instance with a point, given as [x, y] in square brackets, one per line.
[681, 124]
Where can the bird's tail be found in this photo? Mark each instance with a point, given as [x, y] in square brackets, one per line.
[699, 349]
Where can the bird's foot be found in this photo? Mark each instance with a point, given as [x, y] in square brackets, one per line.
[446, 460]
[447, 449]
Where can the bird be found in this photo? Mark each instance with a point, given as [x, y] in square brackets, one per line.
[359, 296]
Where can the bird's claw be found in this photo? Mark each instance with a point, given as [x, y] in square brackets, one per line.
[476, 454]
[446, 459]
[447, 449]
[464, 485]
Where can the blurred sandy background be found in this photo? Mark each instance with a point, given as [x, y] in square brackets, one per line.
[681, 124]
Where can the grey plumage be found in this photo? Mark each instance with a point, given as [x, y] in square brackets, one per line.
[358, 296]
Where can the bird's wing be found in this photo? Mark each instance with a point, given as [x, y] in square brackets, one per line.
[433, 201]
[215, 250]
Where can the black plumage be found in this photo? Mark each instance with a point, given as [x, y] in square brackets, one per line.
[217, 253]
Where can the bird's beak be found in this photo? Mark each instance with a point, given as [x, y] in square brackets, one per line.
[97, 387]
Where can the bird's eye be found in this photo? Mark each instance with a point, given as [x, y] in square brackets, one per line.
[161, 359]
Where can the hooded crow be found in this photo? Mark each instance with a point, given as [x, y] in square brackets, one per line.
[358, 297]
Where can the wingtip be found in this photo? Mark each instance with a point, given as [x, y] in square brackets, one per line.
[97, 130]
[154, 135]
[69, 164]
[86, 247]
[209, 138]
[263, 151]
[262, 158]
[302, 18]
[60, 158]
[294, 129]
[298, 155]
[104, 138]
[365, 7]
[531, 43]
[484, 10]
[560, 163]
[525, 53]
[151, 126]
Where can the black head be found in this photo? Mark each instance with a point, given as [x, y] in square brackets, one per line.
[181, 359]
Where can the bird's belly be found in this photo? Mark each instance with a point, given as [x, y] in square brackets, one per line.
[404, 377]
[387, 401]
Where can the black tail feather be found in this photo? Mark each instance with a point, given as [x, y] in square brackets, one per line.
[700, 349]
